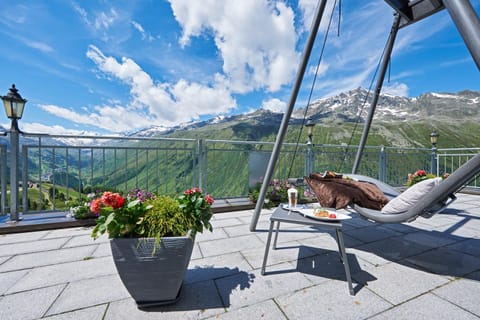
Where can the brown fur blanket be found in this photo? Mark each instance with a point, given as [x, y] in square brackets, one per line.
[339, 192]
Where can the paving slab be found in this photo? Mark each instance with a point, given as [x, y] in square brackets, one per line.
[208, 236]
[426, 307]
[31, 304]
[397, 289]
[31, 246]
[446, 262]
[68, 232]
[235, 244]
[371, 234]
[22, 237]
[88, 293]
[64, 273]
[219, 223]
[285, 252]
[84, 240]
[93, 313]
[462, 292]
[102, 250]
[8, 279]
[45, 258]
[266, 310]
[468, 246]
[246, 289]
[323, 301]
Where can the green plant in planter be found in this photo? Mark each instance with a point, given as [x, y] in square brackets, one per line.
[165, 218]
[138, 216]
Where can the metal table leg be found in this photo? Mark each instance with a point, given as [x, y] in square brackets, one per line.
[267, 247]
[344, 258]
[276, 236]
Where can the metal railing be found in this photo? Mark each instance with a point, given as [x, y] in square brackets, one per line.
[448, 160]
[54, 172]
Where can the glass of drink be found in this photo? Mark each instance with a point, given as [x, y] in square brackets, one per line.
[292, 197]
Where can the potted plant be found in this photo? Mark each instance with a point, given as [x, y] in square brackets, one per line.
[152, 239]
[420, 175]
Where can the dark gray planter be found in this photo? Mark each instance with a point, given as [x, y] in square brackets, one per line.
[152, 279]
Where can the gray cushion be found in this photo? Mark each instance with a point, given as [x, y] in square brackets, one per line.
[410, 196]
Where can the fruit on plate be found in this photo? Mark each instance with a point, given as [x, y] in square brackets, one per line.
[332, 216]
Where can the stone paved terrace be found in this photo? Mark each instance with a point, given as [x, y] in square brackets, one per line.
[428, 269]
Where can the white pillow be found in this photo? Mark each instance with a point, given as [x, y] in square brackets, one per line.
[406, 199]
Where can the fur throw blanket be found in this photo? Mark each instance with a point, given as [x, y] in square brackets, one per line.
[336, 192]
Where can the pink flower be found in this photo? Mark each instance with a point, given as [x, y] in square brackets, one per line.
[209, 199]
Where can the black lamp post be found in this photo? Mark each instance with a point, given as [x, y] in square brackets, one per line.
[309, 160]
[433, 140]
[14, 105]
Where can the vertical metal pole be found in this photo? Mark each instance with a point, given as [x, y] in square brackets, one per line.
[286, 117]
[378, 88]
[433, 165]
[14, 144]
[468, 24]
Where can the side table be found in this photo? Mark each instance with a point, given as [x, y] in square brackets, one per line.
[283, 215]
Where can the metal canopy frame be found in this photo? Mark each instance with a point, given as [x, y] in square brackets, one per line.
[408, 12]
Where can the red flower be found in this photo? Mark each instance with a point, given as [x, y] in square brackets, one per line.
[209, 199]
[114, 200]
[193, 190]
[96, 205]
[419, 173]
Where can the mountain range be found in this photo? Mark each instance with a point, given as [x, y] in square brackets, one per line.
[398, 121]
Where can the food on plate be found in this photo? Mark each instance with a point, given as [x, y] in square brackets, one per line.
[320, 212]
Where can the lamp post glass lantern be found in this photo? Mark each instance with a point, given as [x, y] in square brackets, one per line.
[14, 105]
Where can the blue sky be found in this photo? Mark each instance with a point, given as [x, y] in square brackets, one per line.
[118, 66]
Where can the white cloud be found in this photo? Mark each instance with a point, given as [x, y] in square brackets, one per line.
[396, 89]
[258, 50]
[143, 33]
[56, 129]
[151, 103]
[104, 20]
[274, 105]
[45, 48]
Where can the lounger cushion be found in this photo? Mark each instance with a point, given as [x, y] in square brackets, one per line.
[410, 196]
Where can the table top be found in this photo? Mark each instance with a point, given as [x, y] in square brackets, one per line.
[284, 215]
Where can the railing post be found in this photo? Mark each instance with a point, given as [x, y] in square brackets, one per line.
[200, 162]
[3, 179]
[382, 174]
[24, 179]
[14, 144]
[433, 165]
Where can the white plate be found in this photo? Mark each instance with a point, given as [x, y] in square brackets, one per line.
[339, 216]
[297, 208]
